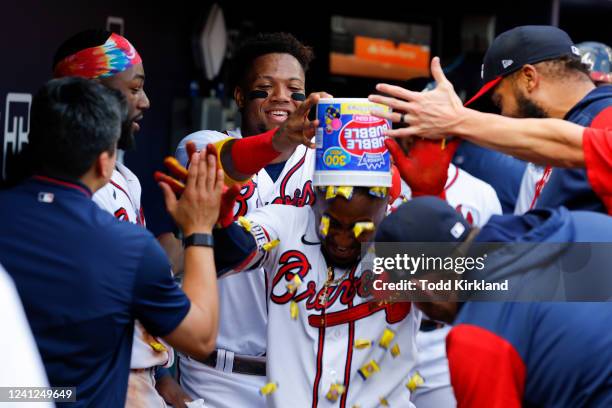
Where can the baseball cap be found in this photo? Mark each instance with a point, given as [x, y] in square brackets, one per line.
[423, 219]
[519, 46]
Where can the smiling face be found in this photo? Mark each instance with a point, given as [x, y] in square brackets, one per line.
[340, 246]
[278, 75]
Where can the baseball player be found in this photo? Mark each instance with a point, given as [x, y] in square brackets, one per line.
[438, 373]
[121, 69]
[328, 344]
[427, 168]
[526, 81]
[477, 204]
[269, 77]
[331, 381]
[513, 354]
[598, 57]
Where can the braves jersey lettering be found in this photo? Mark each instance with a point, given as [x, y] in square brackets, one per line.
[121, 214]
[246, 192]
[121, 196]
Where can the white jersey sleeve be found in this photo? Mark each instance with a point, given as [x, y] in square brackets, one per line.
[270, 225]
[201, 139]
[121, 196]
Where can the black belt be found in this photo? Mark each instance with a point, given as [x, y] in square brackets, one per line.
[242, 364]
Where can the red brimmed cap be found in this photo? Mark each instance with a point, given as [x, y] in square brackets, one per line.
[522, 45]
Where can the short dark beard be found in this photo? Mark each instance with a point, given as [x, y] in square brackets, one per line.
[527, 108]
[126, 140]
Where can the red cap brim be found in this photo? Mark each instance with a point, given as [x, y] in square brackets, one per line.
[485, 88]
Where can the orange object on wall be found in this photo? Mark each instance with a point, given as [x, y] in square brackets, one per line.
[386, 51]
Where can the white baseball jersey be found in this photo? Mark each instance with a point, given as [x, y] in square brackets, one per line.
[475, 199]
[240, 330]
[121, 197]
[534, 179]
[243, 309]
[310, 354]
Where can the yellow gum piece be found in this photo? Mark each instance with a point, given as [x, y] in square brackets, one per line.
[269, 388]
[415, 381]
[335, 391]
[363, 344]
[379, 191]
[395, 350]
[386, 338]
[270, 245]
[244, 223]
[295, 283]
[158, 347]
[335, 191]
[345, 191]
[294, 310]
[383, 402]
[362, 226]
[324, 225]
[368, 369]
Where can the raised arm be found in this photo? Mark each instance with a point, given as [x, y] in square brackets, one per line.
[439, 113]
[241, 158]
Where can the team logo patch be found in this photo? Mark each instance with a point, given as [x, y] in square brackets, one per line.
[47, 198]
[457, 230]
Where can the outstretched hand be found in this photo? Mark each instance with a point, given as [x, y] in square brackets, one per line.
[298, 129]
[432, 115]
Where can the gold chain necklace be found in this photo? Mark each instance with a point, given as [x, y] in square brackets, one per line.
[324, 297]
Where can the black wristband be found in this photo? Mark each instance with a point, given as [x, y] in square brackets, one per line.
[205, 240]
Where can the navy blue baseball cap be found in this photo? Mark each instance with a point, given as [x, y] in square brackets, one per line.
[423, 219]
[520, 46]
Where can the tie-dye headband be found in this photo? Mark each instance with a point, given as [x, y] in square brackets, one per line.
[114, 56]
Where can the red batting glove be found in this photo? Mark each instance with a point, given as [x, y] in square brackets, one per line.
[396, 184]
[228, 199]
[174, 184]
[179, 172]
[425, 167]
